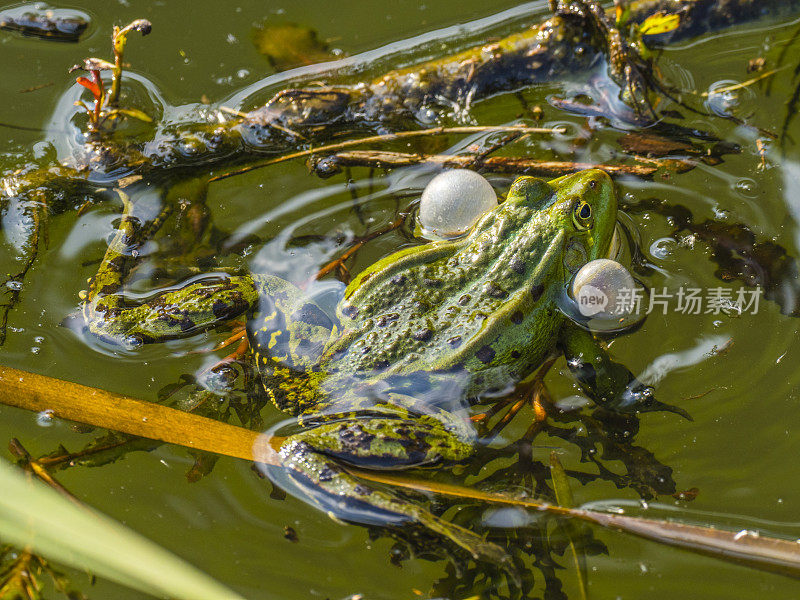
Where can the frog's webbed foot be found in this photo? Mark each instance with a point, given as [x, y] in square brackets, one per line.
[638, 397]
[312, 469]
[609, 384]
[632, 73]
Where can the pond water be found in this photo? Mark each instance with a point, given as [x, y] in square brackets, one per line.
[735, 374]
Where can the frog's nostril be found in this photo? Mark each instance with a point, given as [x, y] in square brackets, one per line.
[592, 184]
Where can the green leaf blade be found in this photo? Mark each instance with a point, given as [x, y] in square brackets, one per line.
[35, 516]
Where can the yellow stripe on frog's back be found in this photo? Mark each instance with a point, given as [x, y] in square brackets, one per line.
[397, 263]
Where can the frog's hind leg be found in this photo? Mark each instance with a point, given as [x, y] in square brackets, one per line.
[180, 312]
[312, 469]
[288, 335]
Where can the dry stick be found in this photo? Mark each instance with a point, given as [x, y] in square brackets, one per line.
[103, 409]
[495, 164]
[358, 243]
[100, 408]
[389, 137]
[39, 236]
[16, 448]
[744, 84]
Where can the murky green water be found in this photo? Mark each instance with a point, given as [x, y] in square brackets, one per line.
[740, 451]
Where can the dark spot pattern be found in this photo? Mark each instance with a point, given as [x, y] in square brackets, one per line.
[517, 317]
[517, 265]
[350, 311]
[422, 335]
[326, 474]
[220, 308]
[354, 439]
[515, 354]
[495, 291]
[109, 289]
[485, 354]
[313, 315]
[384, 320]
[537, 291]
[415, 446]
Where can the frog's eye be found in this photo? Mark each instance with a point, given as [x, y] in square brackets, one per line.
[582, 215]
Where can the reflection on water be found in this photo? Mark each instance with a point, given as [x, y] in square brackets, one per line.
[665, 364]
[726, 224]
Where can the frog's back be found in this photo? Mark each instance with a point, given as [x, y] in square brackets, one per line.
[481, 306]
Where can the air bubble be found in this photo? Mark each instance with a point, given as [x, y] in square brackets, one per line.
[663, 249]
[603, 296]
[453, 201]
[45, 418]
[746, 187]
[725, 101]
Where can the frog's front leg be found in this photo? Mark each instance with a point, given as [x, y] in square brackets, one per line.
[608, 383]
[311, 467]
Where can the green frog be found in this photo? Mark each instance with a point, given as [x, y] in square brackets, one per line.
[386, 383]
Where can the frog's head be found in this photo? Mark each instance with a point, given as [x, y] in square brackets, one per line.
[578, 210]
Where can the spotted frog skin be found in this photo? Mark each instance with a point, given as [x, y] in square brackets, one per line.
[418, 335]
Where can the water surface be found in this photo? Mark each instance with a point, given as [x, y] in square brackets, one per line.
[739, 451]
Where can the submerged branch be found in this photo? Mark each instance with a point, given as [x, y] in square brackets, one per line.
[96, 407]
[562, 44]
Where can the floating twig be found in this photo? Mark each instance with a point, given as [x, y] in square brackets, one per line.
[338, 263]
[744, 84]
[514, 165]
[240, 114]
[389, 137]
